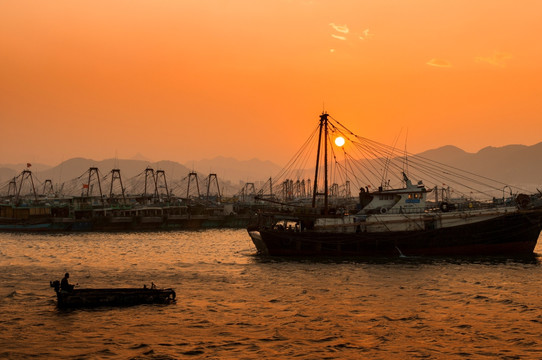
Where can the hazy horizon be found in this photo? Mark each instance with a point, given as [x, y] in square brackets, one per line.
[143, 157]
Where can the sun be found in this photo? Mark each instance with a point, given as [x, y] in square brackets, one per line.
[339, 141]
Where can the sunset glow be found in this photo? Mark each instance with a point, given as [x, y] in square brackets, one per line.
[188, 80]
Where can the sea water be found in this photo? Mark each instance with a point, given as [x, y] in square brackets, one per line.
[234, 304]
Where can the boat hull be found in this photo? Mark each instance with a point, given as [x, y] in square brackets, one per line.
[86, 298]
[508, 234]
[49, 225]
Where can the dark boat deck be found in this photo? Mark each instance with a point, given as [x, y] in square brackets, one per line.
[83, 298]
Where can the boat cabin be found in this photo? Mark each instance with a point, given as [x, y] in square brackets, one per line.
[410, 199]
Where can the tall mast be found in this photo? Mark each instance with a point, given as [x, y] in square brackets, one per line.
[209, 180]
[149, 172]
[26, 174]
[161, 174]
[323, 125]
[115, 174]
[325, 166]
[190, 175]
[94, 170]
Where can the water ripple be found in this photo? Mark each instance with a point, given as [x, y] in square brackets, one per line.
[234, 304]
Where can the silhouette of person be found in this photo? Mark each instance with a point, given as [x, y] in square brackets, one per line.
[65, 284]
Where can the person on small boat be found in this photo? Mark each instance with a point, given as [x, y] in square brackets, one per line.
[65, 285]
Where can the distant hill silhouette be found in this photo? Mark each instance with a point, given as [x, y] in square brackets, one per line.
[140, 156]
[236, 170]
[517, 165]
[76, 171]
[513, 164]
[9, 171]
[76, 167]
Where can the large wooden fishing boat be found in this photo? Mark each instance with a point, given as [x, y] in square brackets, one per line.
[396, 220]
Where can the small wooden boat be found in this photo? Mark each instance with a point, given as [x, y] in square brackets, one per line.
[80, 298]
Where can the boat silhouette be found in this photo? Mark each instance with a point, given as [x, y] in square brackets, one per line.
[393, 220]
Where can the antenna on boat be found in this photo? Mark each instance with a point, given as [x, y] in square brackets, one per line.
[116, 162]
[388, 162]
[405, 163]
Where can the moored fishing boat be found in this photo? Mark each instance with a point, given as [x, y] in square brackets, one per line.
[395, 220]
[34, 218]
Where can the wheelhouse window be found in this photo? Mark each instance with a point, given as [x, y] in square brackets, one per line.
[385, 197]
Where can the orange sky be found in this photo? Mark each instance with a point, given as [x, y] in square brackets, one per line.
[191, 79]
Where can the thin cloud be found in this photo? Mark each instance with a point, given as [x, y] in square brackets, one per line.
[340, 28]
[439, 63]
[366, 35]
[338, 37]
[497, 59]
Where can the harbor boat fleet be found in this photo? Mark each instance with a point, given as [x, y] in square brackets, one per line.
[93, 210]
[408, 219]
[360, 198]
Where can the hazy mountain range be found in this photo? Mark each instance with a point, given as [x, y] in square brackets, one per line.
[513, 164]
[518, 165]
[231, 173]
[227, 169]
